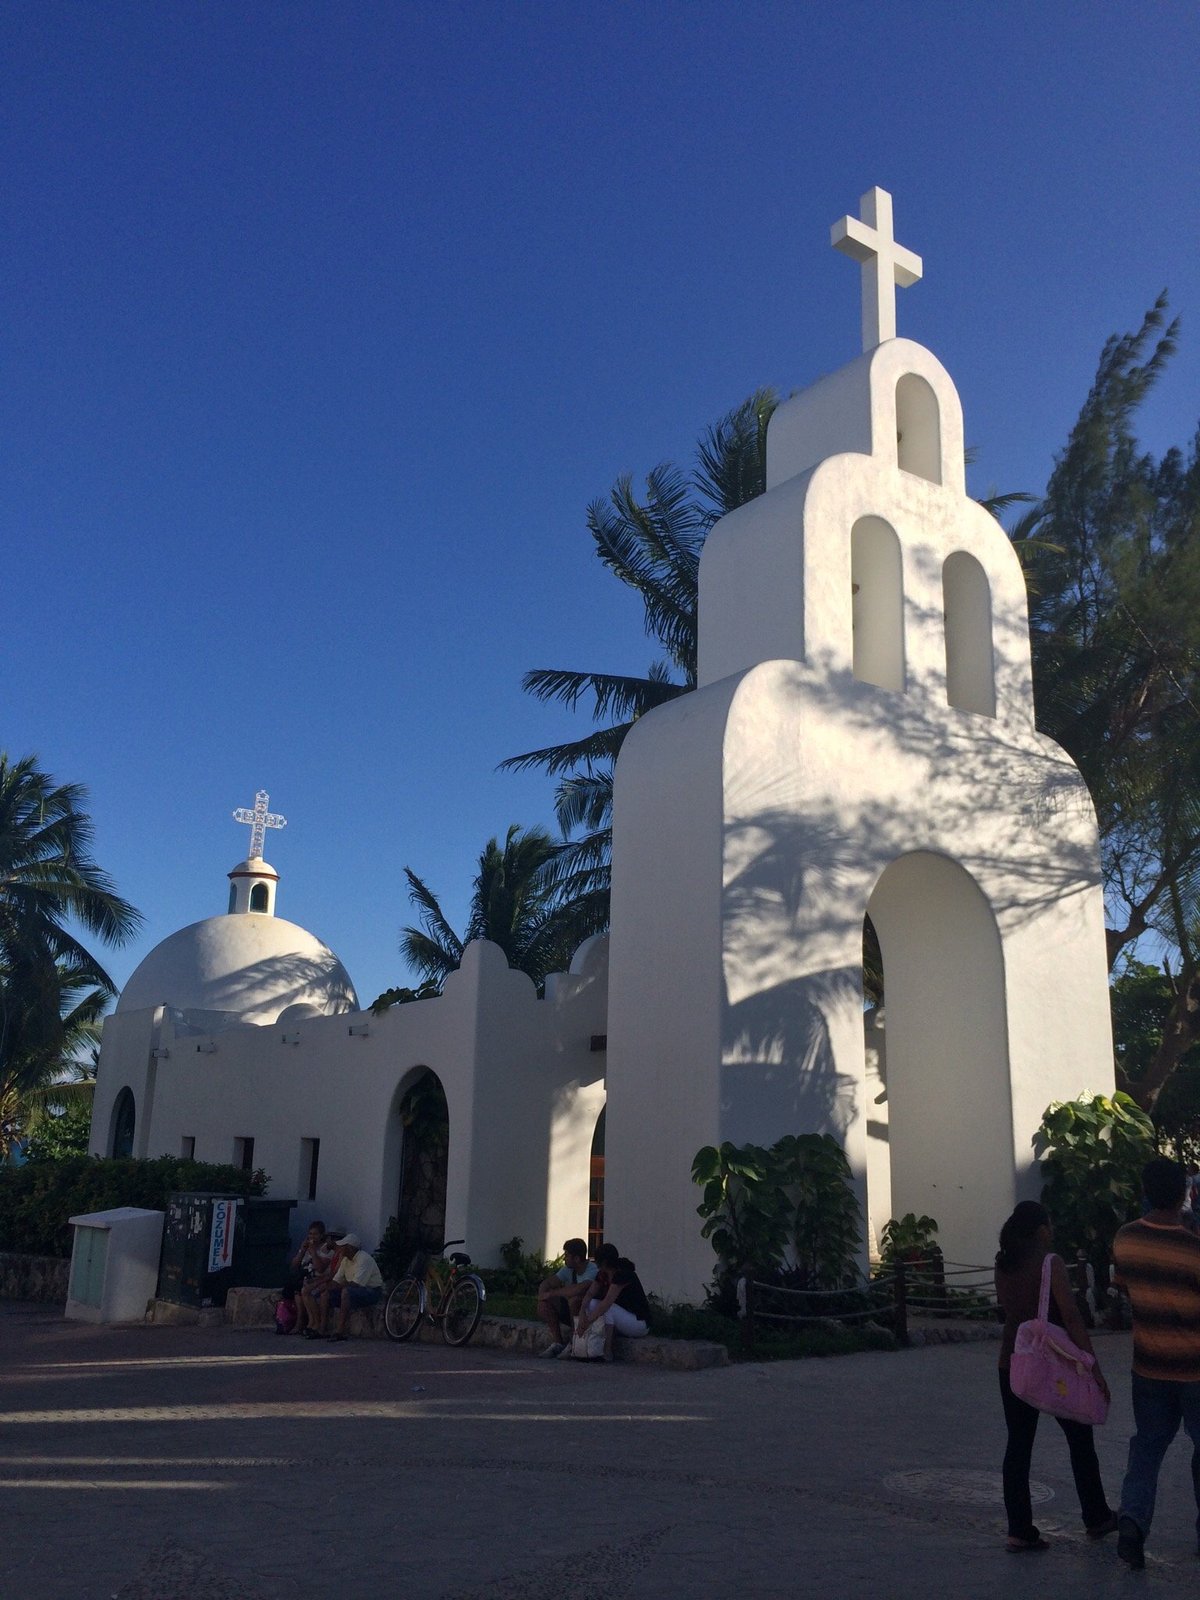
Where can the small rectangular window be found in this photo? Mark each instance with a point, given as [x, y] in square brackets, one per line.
[310, 1154]
[243, 1154]
[187, 1147]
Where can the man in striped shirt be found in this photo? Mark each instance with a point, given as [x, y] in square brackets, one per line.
[1158, 1266]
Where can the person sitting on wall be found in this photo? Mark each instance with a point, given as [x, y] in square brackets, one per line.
[316, 1286]
[357, 1283]
[562, 1293]
[624, 1307]
[313, 1260]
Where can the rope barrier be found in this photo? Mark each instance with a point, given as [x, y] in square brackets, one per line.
[808, 1294]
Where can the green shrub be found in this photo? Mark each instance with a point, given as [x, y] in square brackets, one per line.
[37, 1200]
[521, 1273]
[789, 1210]
[1093, 1151]
[393, 1255]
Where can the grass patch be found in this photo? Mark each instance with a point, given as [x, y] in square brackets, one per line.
[512, 1305]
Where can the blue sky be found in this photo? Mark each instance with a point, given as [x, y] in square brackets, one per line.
[324, 323]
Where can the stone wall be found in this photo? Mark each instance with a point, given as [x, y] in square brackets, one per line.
[255, 1308]
[34, 1278]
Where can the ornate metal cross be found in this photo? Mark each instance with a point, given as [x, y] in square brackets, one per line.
[885, 263]
[260, 819]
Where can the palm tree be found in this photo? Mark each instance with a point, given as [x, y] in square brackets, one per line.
[652, 544]
[51, 985]
[516, 903]
[59, 1075]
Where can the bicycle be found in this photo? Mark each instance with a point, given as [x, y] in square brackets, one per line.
[460, 1297]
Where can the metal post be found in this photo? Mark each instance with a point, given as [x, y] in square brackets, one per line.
[746, 1297]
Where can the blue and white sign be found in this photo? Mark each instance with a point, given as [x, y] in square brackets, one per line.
[220, 1244]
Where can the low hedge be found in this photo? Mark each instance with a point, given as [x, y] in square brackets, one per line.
[36, 1200]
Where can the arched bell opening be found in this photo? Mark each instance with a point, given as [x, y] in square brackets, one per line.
[967, 606]
[877, 603]
[918, 428]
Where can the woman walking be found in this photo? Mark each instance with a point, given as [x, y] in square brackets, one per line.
[1025, 1241]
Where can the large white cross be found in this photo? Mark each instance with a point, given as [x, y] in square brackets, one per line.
[885, 263]
[260, 819]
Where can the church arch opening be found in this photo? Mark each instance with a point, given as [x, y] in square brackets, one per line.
[122, 1124]
[944, 1122]
[596, 1188]
[420, 1139]
[877, 590]
[259, 898]
[967, 605]
[918, 428]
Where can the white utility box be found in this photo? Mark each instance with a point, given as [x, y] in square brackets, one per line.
[114, 1264]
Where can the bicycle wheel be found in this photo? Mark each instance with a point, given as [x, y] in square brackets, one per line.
[463, 1310]
[404, 1309]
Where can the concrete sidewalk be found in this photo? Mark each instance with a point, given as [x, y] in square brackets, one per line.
[220, 1464]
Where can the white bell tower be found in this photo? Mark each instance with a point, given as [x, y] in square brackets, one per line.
[862, 740]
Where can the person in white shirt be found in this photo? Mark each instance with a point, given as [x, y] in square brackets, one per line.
[561, 1295]
[356, 1283]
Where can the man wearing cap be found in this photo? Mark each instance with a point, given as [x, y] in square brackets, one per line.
[356, 1283]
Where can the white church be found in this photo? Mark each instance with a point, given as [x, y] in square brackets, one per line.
[861, 742]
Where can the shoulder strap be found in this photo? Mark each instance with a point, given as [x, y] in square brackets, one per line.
[1044, 1297]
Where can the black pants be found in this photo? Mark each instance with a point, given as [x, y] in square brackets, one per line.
[1022, 1423]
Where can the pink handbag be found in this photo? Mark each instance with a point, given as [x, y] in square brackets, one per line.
[1050, 1372]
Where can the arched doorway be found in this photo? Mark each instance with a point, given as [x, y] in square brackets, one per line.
[595, 1234]
[424, 1156]
[949, 1139]
[124, 1120]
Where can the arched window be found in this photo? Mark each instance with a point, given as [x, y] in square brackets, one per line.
[918, 428]
[967, 602]
[877, 581]
[232, 896]
[258, 897]
[123, 1122]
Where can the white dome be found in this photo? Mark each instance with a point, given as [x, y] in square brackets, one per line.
[253, 967]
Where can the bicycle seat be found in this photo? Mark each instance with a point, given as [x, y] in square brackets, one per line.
[459, 1259]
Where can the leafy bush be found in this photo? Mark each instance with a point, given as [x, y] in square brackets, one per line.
[787, 1211]
[908, 1238]
[1093, 1151]
[770, 1343]
[521, 1273]
[393, 1254]
[36, 1200]
[66, 1133]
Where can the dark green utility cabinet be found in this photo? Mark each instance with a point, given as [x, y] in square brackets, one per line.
[257, 1252]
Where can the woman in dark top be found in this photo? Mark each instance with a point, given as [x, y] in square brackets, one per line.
[1025, 1241]
[624, 1307]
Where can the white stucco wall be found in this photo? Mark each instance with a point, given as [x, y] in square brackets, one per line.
[522, 1084]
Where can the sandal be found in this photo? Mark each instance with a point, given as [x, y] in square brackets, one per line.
[1017, 1547]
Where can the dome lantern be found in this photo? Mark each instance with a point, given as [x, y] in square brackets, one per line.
[252, 883]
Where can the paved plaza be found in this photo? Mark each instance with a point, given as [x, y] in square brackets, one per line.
[219, 1464]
